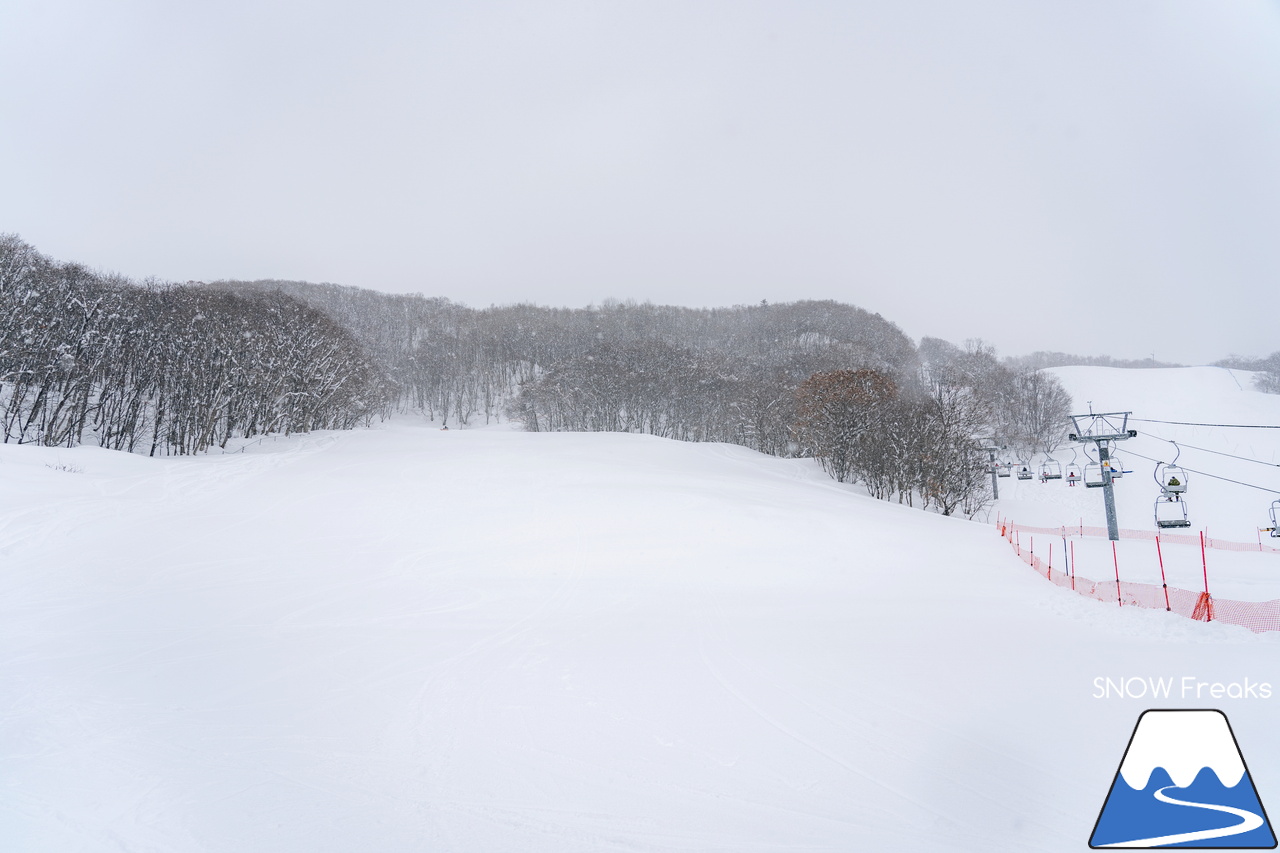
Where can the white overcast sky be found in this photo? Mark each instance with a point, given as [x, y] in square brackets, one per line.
[1094, 177]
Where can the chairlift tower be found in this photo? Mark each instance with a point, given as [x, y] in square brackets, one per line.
[991, 444]
[1102, 430]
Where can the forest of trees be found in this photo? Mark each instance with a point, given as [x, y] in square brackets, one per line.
[168, 369]
[1268, 378]
[1268, 369]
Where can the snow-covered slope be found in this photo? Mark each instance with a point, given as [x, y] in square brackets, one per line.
[404, 639]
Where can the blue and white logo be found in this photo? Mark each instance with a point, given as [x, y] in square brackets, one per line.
[1183, 783]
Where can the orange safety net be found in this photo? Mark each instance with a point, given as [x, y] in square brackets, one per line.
[1081, 530]
[1257, 616]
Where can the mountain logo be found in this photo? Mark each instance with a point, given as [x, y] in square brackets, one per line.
[1183, 783]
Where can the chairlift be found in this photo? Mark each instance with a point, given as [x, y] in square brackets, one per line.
[1004, 469]
[1093, 475]
[1024, 473]
[1051, 469]
[1171, 512]
[1072, 473]
[1275, 526]
[1117, 467]
[1171, 479]
[1171, 509]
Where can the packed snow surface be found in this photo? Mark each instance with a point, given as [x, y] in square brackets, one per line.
[407, 639]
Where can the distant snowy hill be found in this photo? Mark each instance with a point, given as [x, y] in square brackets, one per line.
[407, 639]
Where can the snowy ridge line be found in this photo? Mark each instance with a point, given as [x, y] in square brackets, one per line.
[1257, 616]
[1081, 530]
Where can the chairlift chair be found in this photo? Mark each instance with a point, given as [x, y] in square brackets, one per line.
[1117, 467]
[1051, 469]
[1172, 479]
[1093, 475]
[1171, 512]
[1071, 472]
[1275, 527]
[1024, 473]
[1004, 469]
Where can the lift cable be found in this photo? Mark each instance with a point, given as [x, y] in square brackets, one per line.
[1228, 426]
[1218, 452]
[1206, 474]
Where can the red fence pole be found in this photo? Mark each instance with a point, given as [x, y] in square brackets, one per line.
[1204, 607]
[1116, 560]
[1049, 574]
[1071, 567]
[1204, 564]
[1164, 583]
